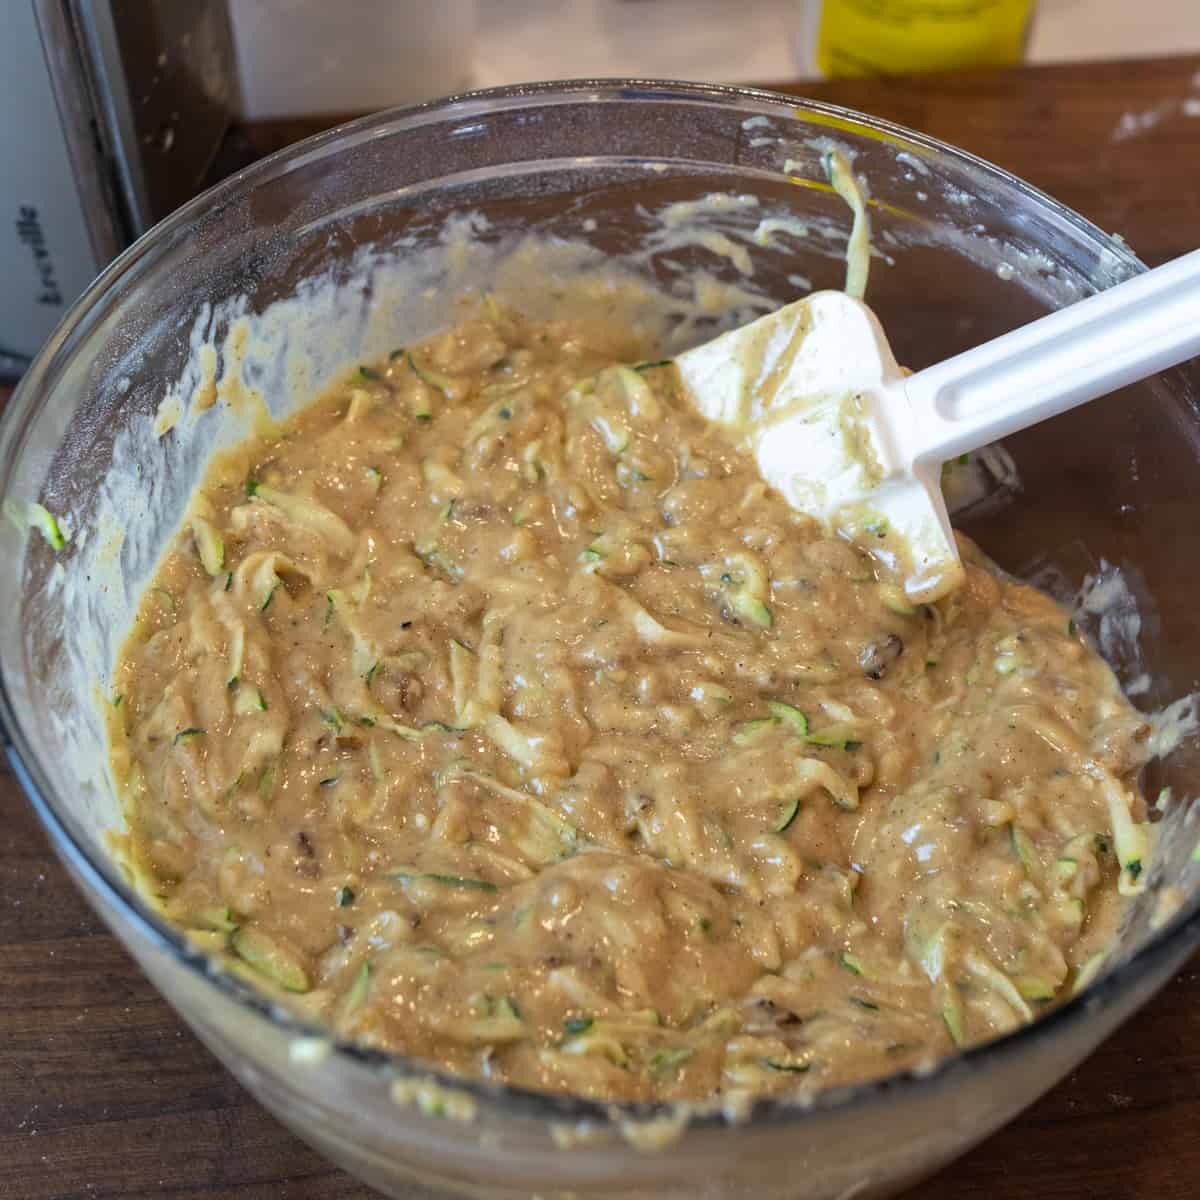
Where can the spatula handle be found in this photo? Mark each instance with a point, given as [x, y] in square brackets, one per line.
[1085, 350]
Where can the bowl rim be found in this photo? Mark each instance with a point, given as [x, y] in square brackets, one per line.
[1180, 934]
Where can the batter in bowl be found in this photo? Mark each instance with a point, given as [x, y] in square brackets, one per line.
[495, 710]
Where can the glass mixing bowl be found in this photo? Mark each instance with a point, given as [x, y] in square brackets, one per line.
[965, 252]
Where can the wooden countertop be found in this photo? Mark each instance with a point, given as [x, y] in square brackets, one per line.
[104, 1093]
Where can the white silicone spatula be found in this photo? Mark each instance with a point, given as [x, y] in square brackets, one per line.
[815, 392]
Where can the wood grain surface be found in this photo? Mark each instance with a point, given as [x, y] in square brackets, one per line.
[104, 1093]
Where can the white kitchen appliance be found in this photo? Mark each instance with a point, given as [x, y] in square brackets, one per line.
[113, 112]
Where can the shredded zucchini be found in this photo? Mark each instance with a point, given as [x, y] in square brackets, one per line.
[36, 516]
[356, 995]
[1088, 972]
[814, 773]
[991, 975]
[440, 383]
[410, 874]
[858, 247]
[790, 715]
[1025, 850]
[952, 1016]
[210, 545]
[787, 814]
[462, 673]
[308, 514]
[1129, 839]
[271, 958]
[545, 836]
[742, 582]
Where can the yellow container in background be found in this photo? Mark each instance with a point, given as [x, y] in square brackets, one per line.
[900, 37]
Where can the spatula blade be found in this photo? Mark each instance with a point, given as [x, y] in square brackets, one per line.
[815, 393]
